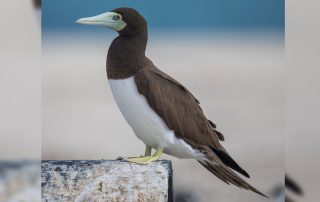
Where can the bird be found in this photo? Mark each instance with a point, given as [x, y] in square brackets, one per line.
[162, 113]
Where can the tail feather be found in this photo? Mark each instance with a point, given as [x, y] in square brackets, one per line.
[228, 161]
[217, 167]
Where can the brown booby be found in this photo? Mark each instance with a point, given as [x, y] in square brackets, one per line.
[159, 109]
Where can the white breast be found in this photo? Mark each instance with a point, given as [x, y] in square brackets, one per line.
[146, 124]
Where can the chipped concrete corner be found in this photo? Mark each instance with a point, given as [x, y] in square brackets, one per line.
[103, 180]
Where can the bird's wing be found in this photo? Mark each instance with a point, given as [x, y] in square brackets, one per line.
[175, 82]
[181, 112]
[178, 108]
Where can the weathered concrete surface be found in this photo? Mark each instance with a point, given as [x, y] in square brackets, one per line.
[106, 180]
[20, 181]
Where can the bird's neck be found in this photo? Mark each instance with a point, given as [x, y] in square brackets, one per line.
[126, 56]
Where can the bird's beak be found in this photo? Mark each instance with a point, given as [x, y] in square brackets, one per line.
[105, 19]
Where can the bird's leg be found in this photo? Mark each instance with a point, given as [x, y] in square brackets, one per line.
[147, 159]
[147, 151]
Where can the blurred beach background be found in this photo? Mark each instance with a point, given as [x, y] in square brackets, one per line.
[20, 81]
[229, 54]
[20, 101]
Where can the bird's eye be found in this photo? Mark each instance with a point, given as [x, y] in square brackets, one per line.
[116, 17]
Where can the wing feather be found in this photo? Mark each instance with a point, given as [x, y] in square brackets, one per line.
[178, 108]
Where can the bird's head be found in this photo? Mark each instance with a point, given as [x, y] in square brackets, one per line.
[126, 21]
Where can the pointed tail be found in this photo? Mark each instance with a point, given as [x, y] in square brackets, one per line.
[216, 166]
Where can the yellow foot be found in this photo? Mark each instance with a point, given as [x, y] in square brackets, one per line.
[146, 159]
[143, 160]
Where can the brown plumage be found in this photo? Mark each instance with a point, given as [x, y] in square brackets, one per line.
[178, 108]
[182, 114]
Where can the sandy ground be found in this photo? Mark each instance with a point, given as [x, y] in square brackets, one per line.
[239, 82]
